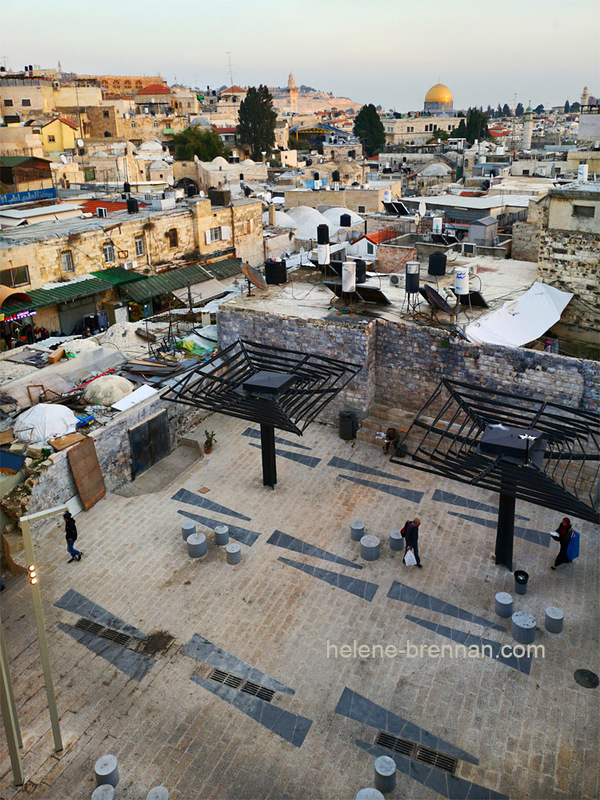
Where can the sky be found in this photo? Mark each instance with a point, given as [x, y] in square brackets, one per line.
[385, 52]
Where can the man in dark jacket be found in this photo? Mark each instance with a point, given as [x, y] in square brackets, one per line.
[411, 537]
[71, 536]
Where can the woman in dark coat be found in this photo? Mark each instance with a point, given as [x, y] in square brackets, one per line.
[565, 531]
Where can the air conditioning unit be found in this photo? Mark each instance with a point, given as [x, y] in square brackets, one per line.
[469, 249]
[396, 280]
[129, 264]
[102, 212]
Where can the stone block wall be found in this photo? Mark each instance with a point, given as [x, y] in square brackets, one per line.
[525, 241]
[393, 257]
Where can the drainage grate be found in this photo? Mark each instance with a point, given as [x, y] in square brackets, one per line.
[258, 691]
[417, 752]
[226, 678]
[116, 636]
[105, 633]
[88, 626]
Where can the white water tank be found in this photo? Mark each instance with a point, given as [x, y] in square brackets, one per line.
[436, 225]
[387, 196]
[461, 280]
[348, 276]
[323, 254]
[582, 173]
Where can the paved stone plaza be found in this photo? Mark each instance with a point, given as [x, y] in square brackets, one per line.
[518, 727]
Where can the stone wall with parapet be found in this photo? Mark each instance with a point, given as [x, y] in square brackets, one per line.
[525, 241]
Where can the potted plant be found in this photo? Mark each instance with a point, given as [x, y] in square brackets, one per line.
[209, 440]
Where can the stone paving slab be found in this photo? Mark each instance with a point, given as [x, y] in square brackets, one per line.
[535, 735]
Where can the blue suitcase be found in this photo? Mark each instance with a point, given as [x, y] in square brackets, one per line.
[573, 546]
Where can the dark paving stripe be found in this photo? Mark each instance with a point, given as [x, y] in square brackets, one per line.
[281, 539]
[242, 535]
[436, 779]
[79, 604]
[254, 434]
[458, 500]
[406, 594]
[359, 708]
[135, 665]
[342, 463]
[529, 534]
[201, 649]
[308, 461]
[362, 589]
[192, 499]
[467, 639]
[398, 491]
[291, 727]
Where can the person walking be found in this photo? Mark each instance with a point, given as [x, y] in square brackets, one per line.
[71, 537]
[564, 531]
[411, 537]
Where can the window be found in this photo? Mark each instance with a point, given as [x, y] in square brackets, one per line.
[583, 211]
[213, 235]
[66, 261]
[139, 245]
[362, 210]
[25, 102]
[108, 251]
[8, 102]
[370, 249]
[51, 138]
[133, 125]
[18, 276]
[525, 173]
[173, 238]
[105, 114]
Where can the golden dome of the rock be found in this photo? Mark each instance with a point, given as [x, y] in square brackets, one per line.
[439, 94]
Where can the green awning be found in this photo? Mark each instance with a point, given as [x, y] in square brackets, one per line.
[119, 276]
[142, 291]
[60, 293]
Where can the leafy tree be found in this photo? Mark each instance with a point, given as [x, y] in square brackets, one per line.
[369, 129]
[256, 126]
[476, 127]
[519, 110]
[204, 143]
[506, 110]
[539, 109]
[490, 112]
[575, 106]
[460, 132]
[567, 107]
[499, 110]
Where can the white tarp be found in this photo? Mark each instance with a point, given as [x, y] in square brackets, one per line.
[44, 421]
[135, 397]
[521, 321]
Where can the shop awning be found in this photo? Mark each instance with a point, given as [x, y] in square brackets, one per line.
[169, 282]
[201, 292]
[8, 295]
[119, 276]
[58, 293]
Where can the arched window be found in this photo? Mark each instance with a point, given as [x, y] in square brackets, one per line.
[173, 237]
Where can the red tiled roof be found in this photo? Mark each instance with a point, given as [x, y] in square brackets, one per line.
[63, 120]
[92, 206]
[154, 88]
[224, 130]
[233, 90]
[377, 237]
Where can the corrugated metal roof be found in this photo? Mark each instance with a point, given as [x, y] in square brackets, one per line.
[178, 278]
[119, 276]
[40, 298]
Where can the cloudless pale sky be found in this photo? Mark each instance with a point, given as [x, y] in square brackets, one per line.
[387, 52]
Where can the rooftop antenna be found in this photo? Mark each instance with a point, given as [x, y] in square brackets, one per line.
[230, 70]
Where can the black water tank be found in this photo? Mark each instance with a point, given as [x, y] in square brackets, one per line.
[316, 176]
[132, 205]
[348, 425]
[361, 271]
[322, 234]
[126, 187]
[191, 190]
[345, 221]
[275, 271]
[335, 176]
[437, 264]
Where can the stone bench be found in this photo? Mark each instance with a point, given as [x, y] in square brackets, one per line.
[369, 794]
[357, 531]
[187, 528]
[106, 770]
[554, 619]
[158, 793]
[385, 774]
[522, 627]
[233, 553]
[369, 548]
[503, 604]
[104, 792]
[396, 541]
[196, 544]
[221, 535]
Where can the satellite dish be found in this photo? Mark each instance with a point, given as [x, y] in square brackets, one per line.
[253, 277]
[79, 142]
[64, 159]
[422, 208]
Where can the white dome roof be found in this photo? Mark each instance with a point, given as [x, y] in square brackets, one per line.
[282, 220]
[248, 162]
[201, 122]
[308, 219]
[334, 214]
[435, 170]
[152, 145]
[219, 161]
[159, 165]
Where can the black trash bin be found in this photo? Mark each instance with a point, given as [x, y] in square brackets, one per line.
[521, 578]
[348, 425]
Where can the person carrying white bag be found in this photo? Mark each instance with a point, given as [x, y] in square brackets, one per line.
[411, 538]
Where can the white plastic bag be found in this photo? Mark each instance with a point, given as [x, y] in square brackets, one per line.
[409, 558]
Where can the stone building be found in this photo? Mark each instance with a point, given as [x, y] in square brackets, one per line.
[415, 130]
[438, 100]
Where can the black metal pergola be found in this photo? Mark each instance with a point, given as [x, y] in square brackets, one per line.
[271, 386]
[526, 449]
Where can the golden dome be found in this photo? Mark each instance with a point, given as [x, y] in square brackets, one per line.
[439, 94]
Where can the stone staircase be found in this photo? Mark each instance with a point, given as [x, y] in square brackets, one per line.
[380, 418]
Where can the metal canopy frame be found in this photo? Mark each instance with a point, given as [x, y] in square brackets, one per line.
[218, 385]
[452, 423]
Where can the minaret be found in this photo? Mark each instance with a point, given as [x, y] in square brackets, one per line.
[585, 97]
[292, 95]
[527, 128]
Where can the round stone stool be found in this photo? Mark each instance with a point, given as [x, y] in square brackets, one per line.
[369, 794]
[369, 548]
[221, 535]
[106, 770]
[396, 541]
[385, 774]
[187, 528]
[196, 545]
[158, 793]
[522, 627]
[233, 553]
[357, 531]
[554, 619]
[104, 792]
[503, 604]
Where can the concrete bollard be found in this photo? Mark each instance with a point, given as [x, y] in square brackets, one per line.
[104, 792]
[554, 619]
[503, 604]
[187, 528]
[369, 794]
[221, 535]
[396, 541]
[233, 553]
[158, 793]
[385, 774]
[369, 548]
[196, 545]
[106, 770]
[357, 531]
[522, 627]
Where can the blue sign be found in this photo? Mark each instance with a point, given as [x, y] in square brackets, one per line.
[27, 197]
[310, 184]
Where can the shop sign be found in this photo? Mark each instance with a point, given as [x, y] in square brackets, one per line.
[15, 317]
